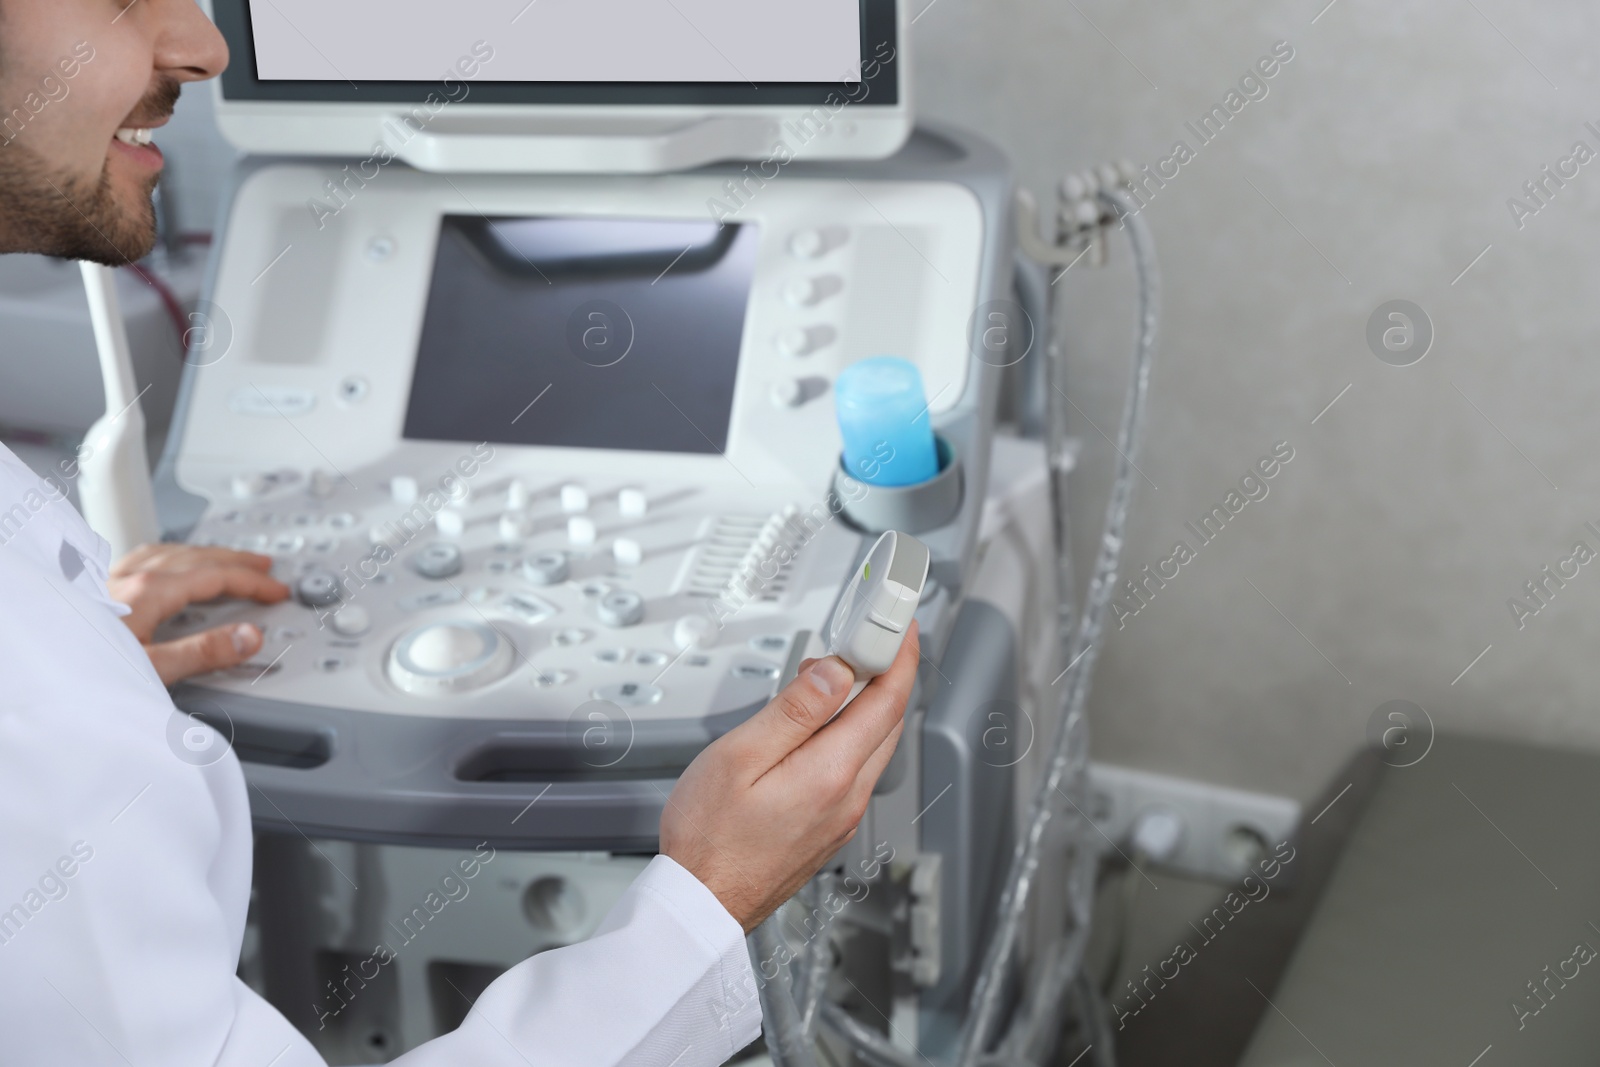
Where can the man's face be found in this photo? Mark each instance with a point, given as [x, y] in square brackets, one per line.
[81, 83]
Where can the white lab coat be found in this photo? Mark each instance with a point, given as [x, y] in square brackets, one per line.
[125, 872]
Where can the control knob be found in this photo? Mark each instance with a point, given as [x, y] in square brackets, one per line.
[319, 589]
[546, 568]
[620, 607]
[438, 561]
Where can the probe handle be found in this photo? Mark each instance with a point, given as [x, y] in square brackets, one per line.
[114, 488]
[876, 608]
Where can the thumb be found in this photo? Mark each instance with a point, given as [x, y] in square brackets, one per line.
[210, 650]
[799, 710]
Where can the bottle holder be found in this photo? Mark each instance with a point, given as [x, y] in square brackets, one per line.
[913, 508]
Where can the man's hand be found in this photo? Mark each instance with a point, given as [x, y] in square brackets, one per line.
[158, 581]
[763, 807]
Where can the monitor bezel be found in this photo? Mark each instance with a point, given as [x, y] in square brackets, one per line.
[880, 89]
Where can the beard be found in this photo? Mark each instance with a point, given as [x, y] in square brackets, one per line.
[53, 212]
[72, 216]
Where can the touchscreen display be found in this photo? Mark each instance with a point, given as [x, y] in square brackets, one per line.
[583, 333]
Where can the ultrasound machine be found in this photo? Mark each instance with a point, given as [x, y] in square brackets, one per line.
[523, 352]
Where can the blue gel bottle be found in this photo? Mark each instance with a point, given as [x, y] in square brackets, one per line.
[884, 419]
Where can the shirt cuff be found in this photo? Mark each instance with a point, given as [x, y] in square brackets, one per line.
[738, 1011]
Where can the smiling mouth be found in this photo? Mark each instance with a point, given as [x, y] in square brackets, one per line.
[134, 135]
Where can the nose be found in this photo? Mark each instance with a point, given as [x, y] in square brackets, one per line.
[188, 46]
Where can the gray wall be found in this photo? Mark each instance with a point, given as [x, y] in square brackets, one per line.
[1425, 498]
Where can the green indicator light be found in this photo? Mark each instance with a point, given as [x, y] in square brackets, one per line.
[866, 572]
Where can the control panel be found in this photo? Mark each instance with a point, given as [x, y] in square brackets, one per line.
[419, 394]
[498, 594]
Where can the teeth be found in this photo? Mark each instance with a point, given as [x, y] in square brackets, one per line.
[134, 135]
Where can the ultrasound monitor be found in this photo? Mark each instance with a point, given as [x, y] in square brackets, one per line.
[634, 324]
[564, 86]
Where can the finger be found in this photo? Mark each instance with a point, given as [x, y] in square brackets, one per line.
[135, 560]
[147, 558]
[872, 770]
[797, 712]
[225, 557]
[212, 650]
[861, 728]
[186, 557]
[168, 592]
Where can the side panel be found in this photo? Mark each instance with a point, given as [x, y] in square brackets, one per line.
[967, 783]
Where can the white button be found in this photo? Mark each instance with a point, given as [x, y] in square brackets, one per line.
[806, 292]
[246, 486]
[517, 495]
[321, 484]
[574, 499]
[632, 503]
[403, 489]
[515, 525]
[795, 342]
[581, 531]
[451, 523]
[692, 631]
[802, 292]
[802, 341]
[627, 552]
[460, 491]
[808, 244]
[351, 621]
[787, 393]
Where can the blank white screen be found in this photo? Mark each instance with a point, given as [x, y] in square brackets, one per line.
[559, 40]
